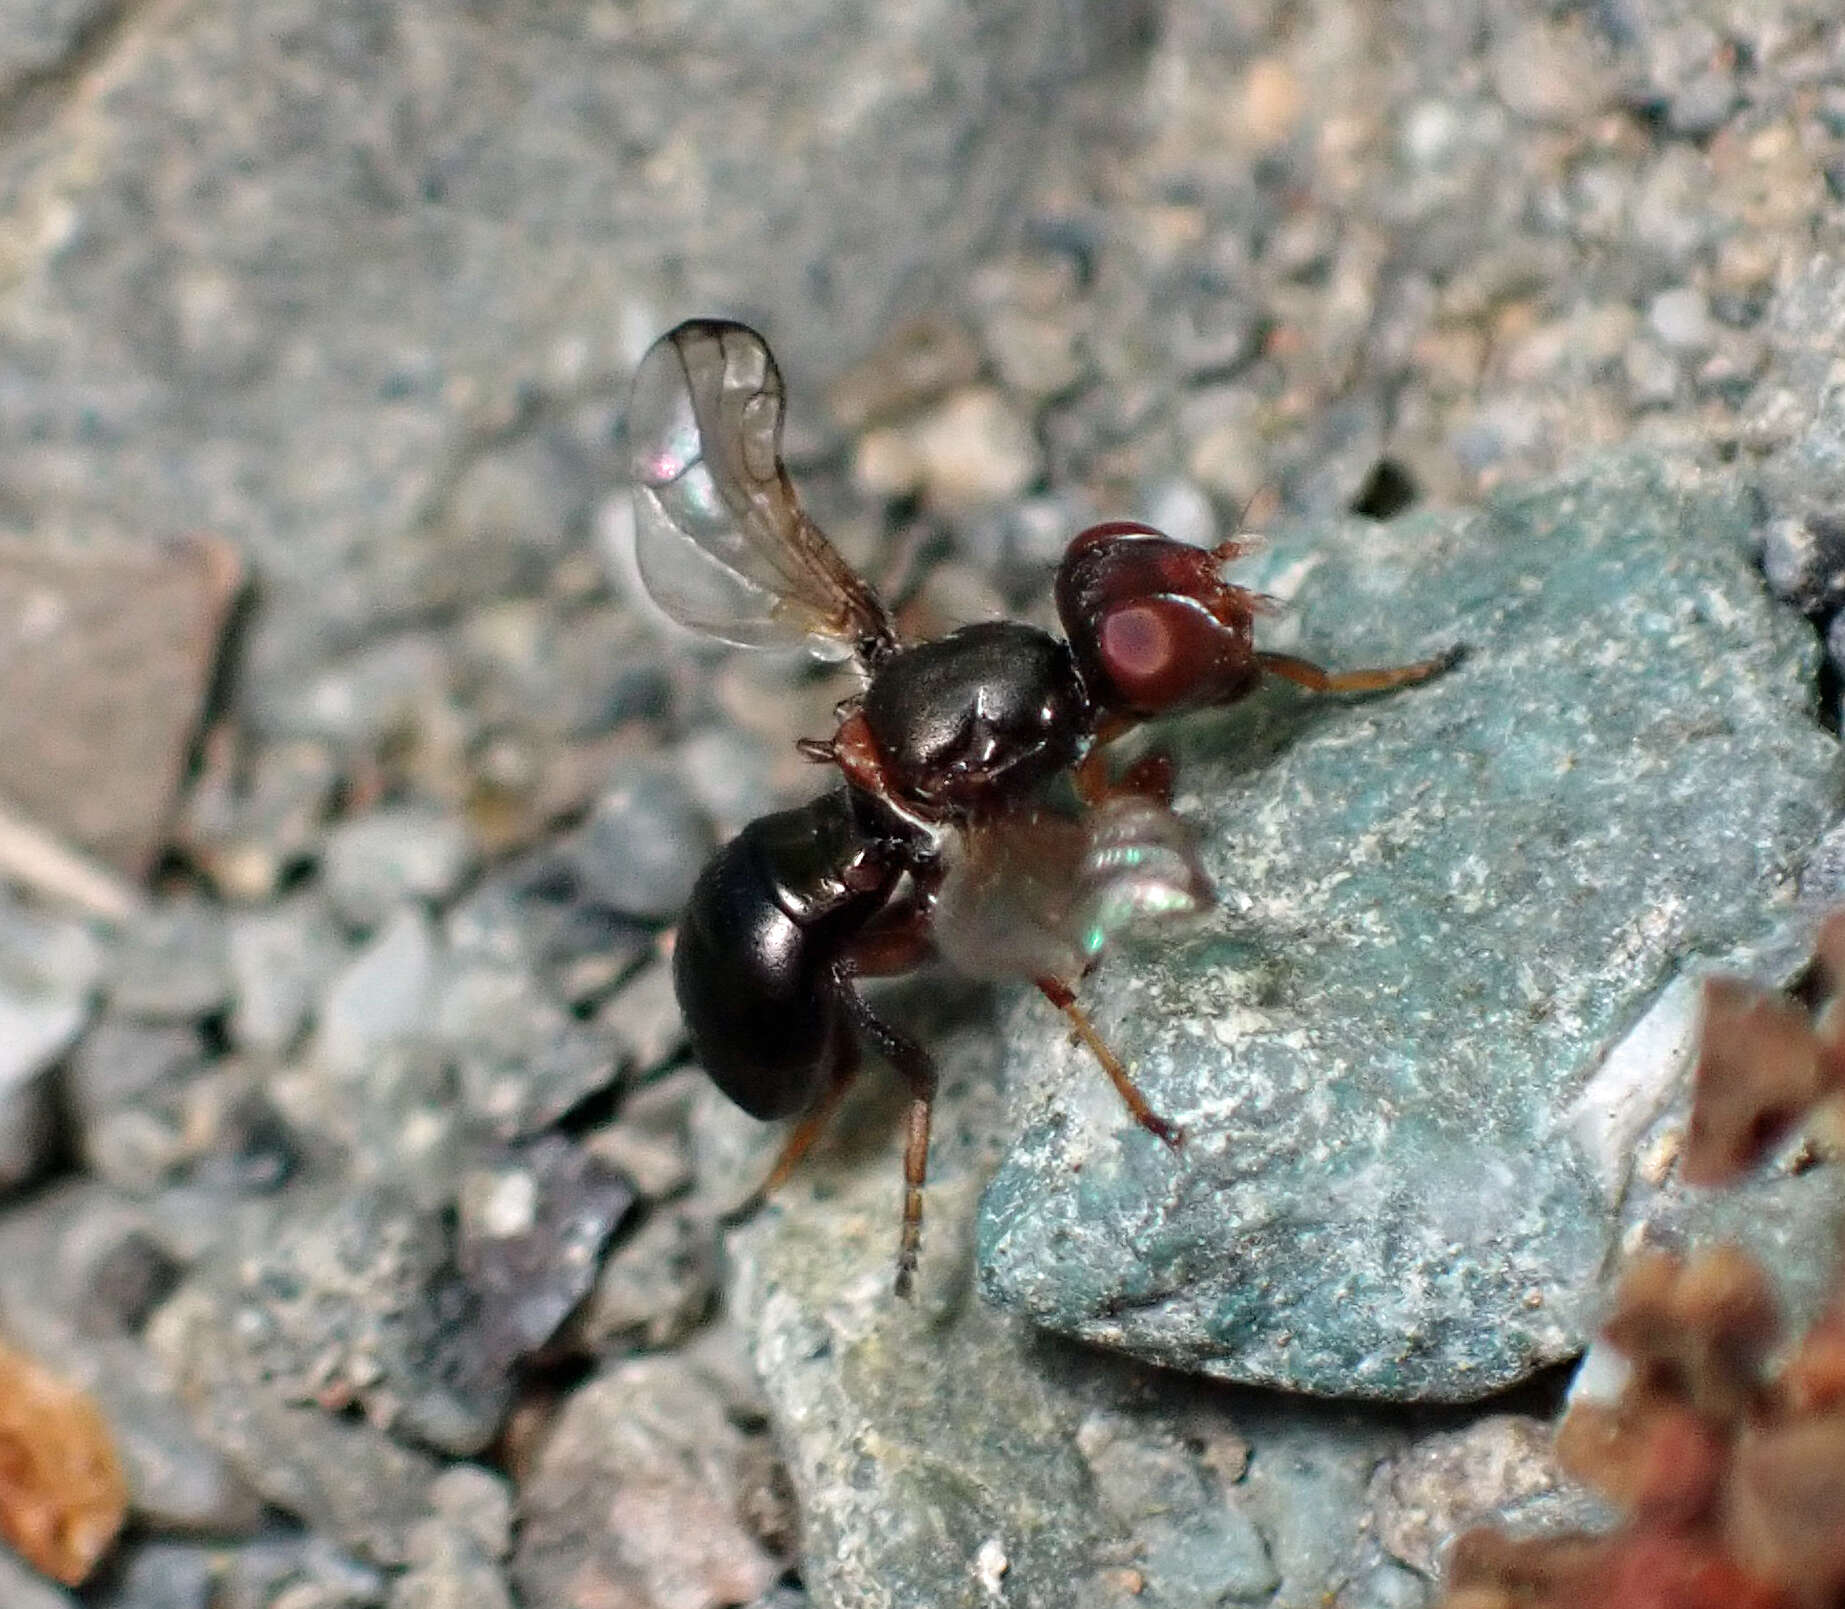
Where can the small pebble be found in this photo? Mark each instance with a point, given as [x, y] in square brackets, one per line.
[281, 958]
[1387, 1586]
[645, 1011]
[282, 1563]
[656, 1287]
[521, 1060]
[1681, 319]
[975, 450]
[476, 1501]
[374, 863]
[650, 1440]
[643, 846]
[916, 361]
[247, 828]
[1180, 509]
[1549, 74]
[731, 774]
[173, 963]
[381, 692]
[383, 994]
[1652, 376]
[122, 1060]
[512, 513]
[162, 1575]
[660, 1164]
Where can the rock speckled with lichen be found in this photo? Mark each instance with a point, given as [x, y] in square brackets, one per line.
[946, 1453]
[1439, 909]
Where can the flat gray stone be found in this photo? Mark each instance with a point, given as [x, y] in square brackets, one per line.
[172, 964]
[575, 181]
[280, 957]
[385, 994]
[374, 863]
[1439, 910]
[344, 1478]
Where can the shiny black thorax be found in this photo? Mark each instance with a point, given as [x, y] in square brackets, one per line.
[766, 925]
[977, 718]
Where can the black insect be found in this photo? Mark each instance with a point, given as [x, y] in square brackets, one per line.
[944, 839]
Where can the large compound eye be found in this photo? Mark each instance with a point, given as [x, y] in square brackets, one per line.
[1137, 643]
[1155, 649]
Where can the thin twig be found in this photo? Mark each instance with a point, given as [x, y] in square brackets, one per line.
[34, 858]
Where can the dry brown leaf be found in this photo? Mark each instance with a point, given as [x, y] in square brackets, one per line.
[62, 1495]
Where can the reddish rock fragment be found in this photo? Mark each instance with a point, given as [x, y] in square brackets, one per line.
[1814, 1379]
[1699, 1331]
[1666, 1571]
[62, 1495]
[1786, 1515]
[1757, 1075]
[1732, 1473]
[1638, 1570]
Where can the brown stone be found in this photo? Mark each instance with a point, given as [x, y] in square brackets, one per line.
[106, 654]
[62, 1495]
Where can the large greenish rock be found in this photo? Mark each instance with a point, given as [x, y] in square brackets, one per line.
[944, 1453]
[1439, 911]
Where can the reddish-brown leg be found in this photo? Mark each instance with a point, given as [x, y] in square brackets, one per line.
[918, 1071]
[1060, 996]
[1149, 777]
[1309, 675]
[893, 947]
[800, 1141]
[897, 943]
[915, 1172]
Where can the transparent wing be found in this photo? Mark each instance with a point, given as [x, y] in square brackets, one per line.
[721, 540]
[1035, 894]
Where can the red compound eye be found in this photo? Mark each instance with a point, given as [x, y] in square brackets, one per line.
[1170, 652]
[1137, 644]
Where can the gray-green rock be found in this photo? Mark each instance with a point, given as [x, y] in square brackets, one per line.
[946, 1454]
[1438, 912]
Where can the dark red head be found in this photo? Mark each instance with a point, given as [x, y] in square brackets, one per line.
[1152, 624]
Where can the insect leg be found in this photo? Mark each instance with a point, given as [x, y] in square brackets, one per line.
[1143, 1114]
[900, 944]
[1319, 680]
[896, 943]
[913, 1063]
[1150, 777]
[801, 1137]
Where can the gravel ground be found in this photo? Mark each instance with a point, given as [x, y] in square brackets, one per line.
[356, 1169]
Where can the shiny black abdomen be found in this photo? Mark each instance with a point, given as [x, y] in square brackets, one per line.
[982, 714]
[766, 922]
